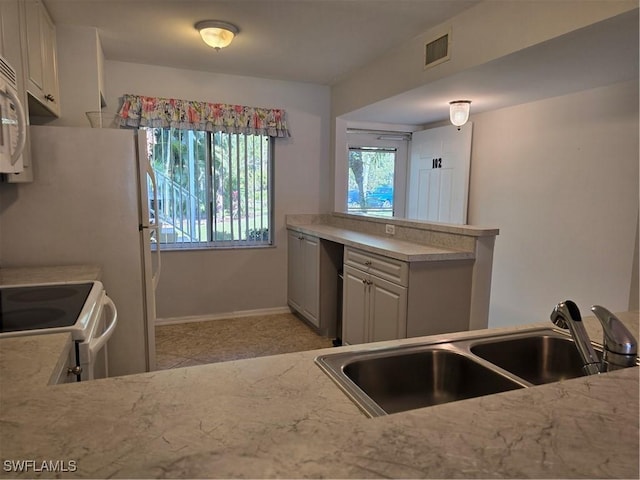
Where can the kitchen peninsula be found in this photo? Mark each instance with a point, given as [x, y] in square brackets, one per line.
[281, 416]
[402, 278]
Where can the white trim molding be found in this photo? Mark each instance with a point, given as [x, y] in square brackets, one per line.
[221, 316]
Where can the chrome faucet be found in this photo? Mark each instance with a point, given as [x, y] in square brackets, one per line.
[620, 348]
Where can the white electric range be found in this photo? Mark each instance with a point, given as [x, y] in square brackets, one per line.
[81, 308]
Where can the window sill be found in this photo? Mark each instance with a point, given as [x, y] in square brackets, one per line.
[191, 248]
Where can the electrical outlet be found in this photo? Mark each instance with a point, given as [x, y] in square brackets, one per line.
[390, 229]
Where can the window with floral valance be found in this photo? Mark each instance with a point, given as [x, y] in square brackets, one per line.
[140, 111]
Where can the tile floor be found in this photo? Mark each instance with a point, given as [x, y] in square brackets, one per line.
[197, 343]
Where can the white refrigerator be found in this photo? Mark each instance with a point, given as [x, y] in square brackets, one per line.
[88, 204]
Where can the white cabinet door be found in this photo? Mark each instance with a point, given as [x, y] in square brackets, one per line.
[303, 284]
[295, 282]
[373, 309]
[439, 174]
[355, 306]
[50, 64]
[387, 310]
[35, 65]
[40, 54]
[311, 278]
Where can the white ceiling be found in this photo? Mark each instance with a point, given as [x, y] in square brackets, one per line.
[316, 41]
[321, 41]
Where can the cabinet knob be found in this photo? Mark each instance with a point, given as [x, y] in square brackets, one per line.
[49, 97]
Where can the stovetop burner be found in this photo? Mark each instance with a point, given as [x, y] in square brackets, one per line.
[41, 306]
[42, 294]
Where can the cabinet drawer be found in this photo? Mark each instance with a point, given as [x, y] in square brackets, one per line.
[387, 268]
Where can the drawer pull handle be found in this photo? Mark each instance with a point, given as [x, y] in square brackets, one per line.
[367, 263]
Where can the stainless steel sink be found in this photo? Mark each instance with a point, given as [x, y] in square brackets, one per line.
[394, 379]
[537, 359]
[422, 378]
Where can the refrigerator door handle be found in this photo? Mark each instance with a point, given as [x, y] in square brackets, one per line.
[154, 232]
[154, 188]
[154, 229]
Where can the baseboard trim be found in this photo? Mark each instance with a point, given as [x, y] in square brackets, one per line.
[221, 316]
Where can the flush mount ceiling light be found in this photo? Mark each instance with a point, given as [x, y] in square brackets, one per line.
[459, 112]
[216, 33]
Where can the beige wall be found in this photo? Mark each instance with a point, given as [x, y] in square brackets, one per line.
[490, 30]
[222, 281]
[559, 177]
[486, 32]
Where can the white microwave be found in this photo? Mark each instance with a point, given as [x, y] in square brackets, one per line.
[13, 131]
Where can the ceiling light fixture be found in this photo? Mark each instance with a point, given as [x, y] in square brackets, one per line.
[459, 112]
[216, 33]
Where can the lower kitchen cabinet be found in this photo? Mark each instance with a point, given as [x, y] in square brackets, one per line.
[312, 285]
[374, 309]
[386, 299]
[303, 281]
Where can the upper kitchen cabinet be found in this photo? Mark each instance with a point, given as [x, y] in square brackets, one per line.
[39, 52]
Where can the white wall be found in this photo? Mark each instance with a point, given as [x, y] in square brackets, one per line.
[485, 32]
[222, 281]
[559, 177]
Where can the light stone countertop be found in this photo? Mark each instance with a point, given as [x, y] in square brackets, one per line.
[398, 249]
[281, 416]
[458, 229]
[53, 274]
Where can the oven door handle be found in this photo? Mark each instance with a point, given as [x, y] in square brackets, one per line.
[97, 343]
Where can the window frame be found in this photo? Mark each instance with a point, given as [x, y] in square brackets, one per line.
[358, 140]
[210, 243]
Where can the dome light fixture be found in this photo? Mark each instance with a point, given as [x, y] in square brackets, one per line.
[459, 112]
[216, 33]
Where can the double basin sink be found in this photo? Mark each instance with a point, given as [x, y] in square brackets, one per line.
[394, 379]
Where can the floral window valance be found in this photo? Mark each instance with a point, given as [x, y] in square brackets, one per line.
[140, 111]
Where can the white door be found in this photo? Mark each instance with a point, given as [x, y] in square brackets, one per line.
[439, 174]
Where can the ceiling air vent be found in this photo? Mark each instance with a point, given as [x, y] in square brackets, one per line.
[437, 51]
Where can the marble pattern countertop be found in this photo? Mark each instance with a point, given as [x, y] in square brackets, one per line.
[53, 274]
[390, 247]
[281, 416]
